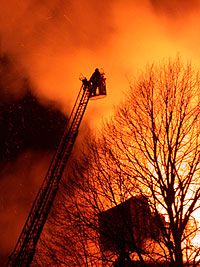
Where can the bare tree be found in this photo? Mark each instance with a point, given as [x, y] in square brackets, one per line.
[151, 148]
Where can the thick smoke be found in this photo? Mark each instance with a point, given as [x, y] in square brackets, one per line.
[29, 134]
[175, 8]
[19, 183]
[57, 40]
[53, 41]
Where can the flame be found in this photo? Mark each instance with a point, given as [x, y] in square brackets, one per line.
[54, 41]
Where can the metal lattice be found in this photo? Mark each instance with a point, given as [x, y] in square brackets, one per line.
[26, 244]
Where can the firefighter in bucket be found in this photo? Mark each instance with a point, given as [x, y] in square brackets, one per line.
[97, 84]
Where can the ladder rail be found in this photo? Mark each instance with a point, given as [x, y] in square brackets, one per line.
[46, 194]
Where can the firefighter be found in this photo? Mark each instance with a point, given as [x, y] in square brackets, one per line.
[95, 81]
[85, 83]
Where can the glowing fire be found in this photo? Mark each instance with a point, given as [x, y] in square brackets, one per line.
[56, 40]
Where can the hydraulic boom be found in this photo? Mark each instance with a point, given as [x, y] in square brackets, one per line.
[25, 248]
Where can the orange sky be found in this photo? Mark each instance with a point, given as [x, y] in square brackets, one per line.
[57, 40]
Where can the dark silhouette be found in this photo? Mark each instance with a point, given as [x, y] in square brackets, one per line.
[125, 227]
[85, 83]
[140, 151]
[25, 248]
[95, 81]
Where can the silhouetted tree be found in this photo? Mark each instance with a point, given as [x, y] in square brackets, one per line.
[151, 148]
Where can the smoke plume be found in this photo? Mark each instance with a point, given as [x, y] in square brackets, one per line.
[51, 42]
[56, 40]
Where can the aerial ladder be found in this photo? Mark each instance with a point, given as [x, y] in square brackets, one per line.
[24, 250]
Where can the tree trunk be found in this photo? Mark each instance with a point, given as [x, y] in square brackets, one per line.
[178, 254]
